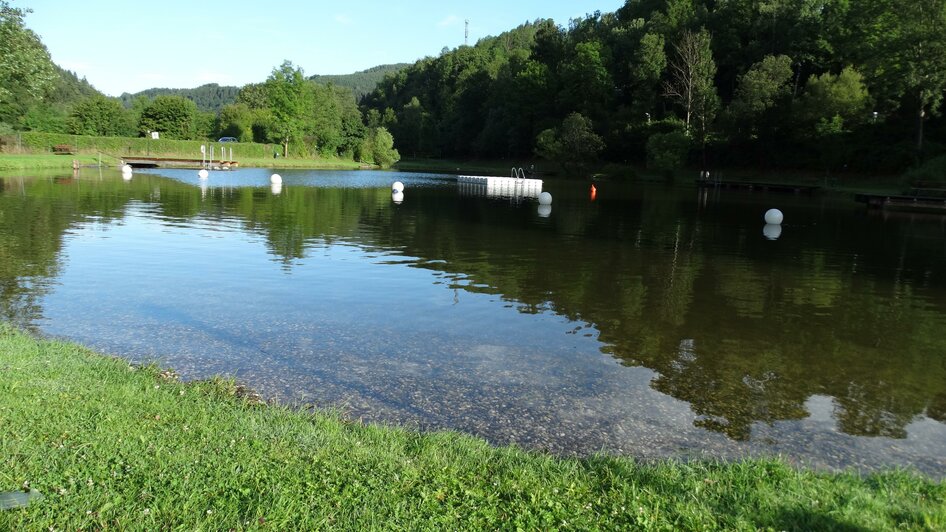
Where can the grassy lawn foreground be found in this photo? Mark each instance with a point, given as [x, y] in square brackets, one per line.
[113, 445]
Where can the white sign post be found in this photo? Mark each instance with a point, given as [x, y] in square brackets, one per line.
[203, 151]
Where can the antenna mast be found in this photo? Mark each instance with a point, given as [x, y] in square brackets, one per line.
[466, 32]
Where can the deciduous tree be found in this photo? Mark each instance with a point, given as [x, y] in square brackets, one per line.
[288, 96]
[171, 116]
[902, 46]
[573, 144]
[691, 79]
[100, 116]
[26, 70]
[839, 98]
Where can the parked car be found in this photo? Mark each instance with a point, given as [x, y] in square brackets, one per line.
[227, 139]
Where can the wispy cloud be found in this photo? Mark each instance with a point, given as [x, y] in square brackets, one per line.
[451, 20]
[343, 19]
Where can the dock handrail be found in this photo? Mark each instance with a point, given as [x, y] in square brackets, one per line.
[518, 173]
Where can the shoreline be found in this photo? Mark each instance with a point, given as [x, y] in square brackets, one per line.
[845, 184]
[28, 162]
[109, 444]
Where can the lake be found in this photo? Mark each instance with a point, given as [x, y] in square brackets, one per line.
[655, 321]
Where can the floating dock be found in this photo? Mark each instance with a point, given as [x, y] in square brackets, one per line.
[903, 203]
[768, 187]
[165, 162]
[499, 187]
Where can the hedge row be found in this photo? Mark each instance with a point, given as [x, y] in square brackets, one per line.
[36, 142]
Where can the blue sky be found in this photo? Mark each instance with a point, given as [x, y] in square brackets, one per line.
[130, 45]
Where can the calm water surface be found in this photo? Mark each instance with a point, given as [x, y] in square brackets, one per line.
[653, 322]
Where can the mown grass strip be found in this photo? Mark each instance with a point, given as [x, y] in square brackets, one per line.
[35, 162]
[114, 445]
[9, 162]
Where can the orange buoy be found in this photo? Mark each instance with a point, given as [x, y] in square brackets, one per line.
[594, 192]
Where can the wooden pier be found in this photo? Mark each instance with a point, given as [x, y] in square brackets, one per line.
[166, 162]
[767, 187]
[903, 203]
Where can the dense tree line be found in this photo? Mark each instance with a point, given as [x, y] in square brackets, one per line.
[824, 84]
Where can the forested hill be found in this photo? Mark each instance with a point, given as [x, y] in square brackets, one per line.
[821, 84]
[69, 88]
[210, 97]
[213, 97]
[360, 83]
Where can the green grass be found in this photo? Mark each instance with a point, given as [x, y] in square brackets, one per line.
[38, 142]
[39, 161]
[112, 445]
[283, 162]
[37, 152]
[45, 161]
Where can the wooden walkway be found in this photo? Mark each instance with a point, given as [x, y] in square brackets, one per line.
[166, 162]
[749, 185]
[906, 202]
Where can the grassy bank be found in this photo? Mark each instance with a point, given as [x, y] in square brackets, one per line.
[283, 162]
[110, 445]
[33, 150]
[44, 161]
[41, 161]
[34, 142]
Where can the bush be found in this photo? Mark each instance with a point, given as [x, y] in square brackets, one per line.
[932, 171]
[668, 151]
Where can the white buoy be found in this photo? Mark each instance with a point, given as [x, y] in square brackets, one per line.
[203, 174]
[276, 188]
[275, 178]
[126, 169]
[397, 196]
[545, 210]
[545, 198]
[772, 231]
[774, 216]
[397, 187]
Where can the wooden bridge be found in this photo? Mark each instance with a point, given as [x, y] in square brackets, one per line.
[167, 162]
[749, 185]
[904, 202]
